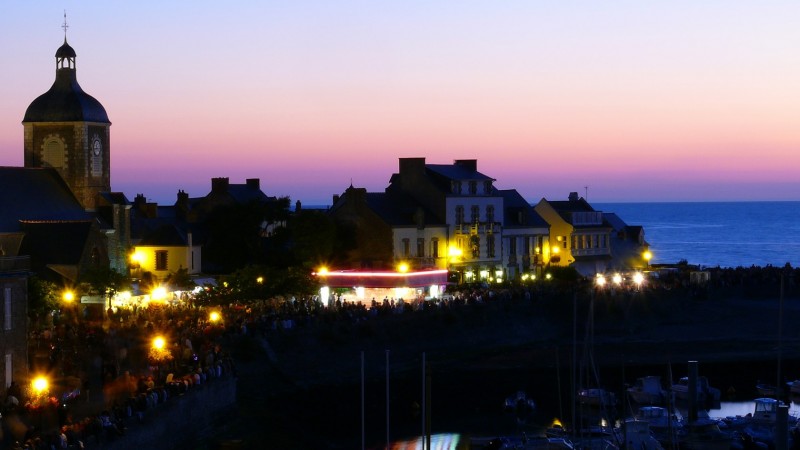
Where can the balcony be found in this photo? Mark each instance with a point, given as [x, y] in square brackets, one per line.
[590, 251]
[15, 263]
[478, 228]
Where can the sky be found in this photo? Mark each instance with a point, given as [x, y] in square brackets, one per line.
[625, 101]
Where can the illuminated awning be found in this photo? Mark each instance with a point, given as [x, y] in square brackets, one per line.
[382, 279]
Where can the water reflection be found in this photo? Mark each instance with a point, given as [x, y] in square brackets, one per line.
[742, 408]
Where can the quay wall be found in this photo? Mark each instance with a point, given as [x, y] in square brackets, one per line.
[180, 422]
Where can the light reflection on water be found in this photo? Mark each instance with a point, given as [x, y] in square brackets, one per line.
[742, 408]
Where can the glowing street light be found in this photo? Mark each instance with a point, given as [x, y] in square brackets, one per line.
[260, 280]
[402, 267]
[214, 317]
[647, 255]
[638, 278]
[617, 279]
[159, 342]
[39, 385]
[69, 297]
[600, 281]
[159, 293]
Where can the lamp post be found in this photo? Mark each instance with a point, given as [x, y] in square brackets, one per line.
[647, 255]
[40, 386]
[159, 353]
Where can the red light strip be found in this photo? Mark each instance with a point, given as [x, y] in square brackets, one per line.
[381, 274]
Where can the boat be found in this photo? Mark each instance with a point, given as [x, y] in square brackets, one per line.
[766, 390]
[794, 387]
[648, 391]
[705, 393]
[596, 397]
[703, 434]
[760, 425]
[663, 425]
[636, 434]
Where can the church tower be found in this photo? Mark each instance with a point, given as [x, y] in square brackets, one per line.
[68, 130]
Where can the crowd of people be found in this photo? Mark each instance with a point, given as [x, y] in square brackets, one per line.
[106, 374]
[110, 364]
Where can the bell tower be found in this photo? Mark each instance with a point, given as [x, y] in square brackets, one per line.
[67, 129]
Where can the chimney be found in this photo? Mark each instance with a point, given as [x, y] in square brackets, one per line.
[253, 183]
[335, 199]
[412, 166]
[219, 185]
[139, 202]
[573, 197]
[469, 164]
[182, 205]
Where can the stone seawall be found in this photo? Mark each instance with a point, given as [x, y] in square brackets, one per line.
[180, 422]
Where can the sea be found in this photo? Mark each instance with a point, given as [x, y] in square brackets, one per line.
[717, 234]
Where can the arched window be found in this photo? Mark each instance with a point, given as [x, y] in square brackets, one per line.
[53, 153]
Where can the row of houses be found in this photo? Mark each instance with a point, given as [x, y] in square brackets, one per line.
[452, 216]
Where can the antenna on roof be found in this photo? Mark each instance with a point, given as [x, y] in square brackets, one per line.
[65, 26]
[586, 193]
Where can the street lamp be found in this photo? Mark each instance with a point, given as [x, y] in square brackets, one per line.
[647, 255]
[214, 317]
[68, 296]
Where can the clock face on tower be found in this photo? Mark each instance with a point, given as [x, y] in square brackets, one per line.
[96, 147]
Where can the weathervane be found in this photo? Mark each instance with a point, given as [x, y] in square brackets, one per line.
[65, 26]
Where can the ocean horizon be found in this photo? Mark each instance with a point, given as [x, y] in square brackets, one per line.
[717, 234]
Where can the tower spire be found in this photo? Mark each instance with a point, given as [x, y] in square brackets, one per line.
[65, 26]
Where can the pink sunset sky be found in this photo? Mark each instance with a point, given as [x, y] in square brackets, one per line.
[639, 101]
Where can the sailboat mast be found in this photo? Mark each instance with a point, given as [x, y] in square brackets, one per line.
[780, 340]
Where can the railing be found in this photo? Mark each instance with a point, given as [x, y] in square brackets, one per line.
[590, 251]
[478, 228]
[15, 263]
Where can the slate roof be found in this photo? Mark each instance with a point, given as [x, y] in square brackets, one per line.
[165, 235]
[245, 194]
[56, 242]
[399, 210]
[456, 172]
[38, 194]
[513, 203]
[66, 101]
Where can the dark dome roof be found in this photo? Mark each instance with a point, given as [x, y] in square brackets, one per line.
[65, 51]
[66, 101]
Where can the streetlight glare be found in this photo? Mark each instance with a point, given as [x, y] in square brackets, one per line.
[159, 293]
[617, 279]
[601, 280]
[69, 296]
[39, 384]
[402, 267]
[214, 316]
[638, 278]
[158, 342]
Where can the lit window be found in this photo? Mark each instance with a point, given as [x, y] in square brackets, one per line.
[161, 260]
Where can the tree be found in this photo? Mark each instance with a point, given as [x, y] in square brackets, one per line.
[313, 236]
[105, 281]
[42, 296]
[180, 280]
